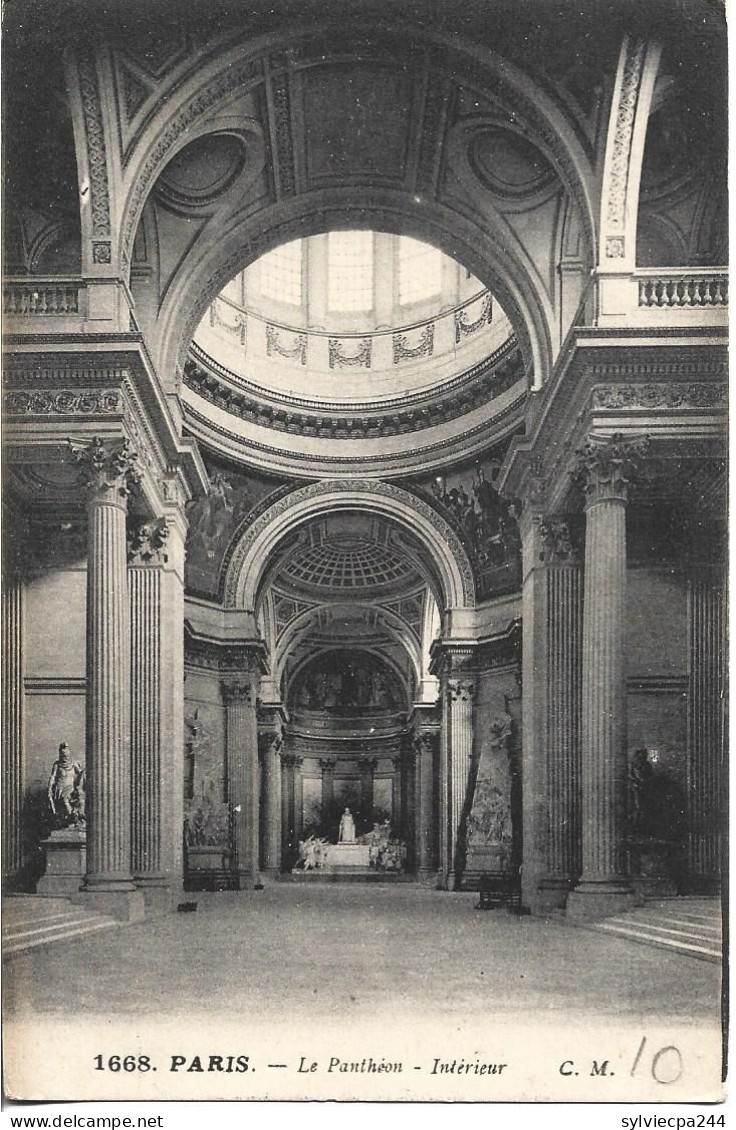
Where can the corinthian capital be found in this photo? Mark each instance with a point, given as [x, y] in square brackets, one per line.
[108, 469]
[607, 464]
[557, 547]
[147, 541]
[235, 690]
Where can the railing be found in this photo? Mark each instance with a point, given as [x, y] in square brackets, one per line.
[364, 349]
[36, 297]
[691, 290]
[65, 305]
[669, 297]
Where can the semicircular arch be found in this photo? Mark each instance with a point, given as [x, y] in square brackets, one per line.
[255, 542]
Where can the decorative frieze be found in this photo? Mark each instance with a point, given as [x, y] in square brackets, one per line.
[296, 351]
[96, 150]
[68, 402]
[338, 359]
[463, 328]
[286, 184]
[696, 394]
[423, 348]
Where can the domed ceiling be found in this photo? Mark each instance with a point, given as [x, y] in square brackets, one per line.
[349, 343]
[349, 555]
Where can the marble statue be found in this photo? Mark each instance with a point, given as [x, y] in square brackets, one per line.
[66, 789]
[346, 834]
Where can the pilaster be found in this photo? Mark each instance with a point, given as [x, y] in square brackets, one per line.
[12, 724]
[455, 666]
[155, 579]
[706, 728]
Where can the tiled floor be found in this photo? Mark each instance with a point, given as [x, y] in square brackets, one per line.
[333, 950]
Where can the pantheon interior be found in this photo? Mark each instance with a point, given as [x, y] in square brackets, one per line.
[364, 447]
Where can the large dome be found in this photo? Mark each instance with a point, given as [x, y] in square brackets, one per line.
[353, 335]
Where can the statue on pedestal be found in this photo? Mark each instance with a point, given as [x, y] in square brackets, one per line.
[346, 834]
[66, 790]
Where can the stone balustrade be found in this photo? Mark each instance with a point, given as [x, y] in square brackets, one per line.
[667, 297]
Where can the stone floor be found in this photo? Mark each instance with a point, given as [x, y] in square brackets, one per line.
[348, 951]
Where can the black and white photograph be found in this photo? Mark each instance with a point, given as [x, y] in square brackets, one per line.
[364, 440]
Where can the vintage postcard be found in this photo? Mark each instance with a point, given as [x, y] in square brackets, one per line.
[364, 440]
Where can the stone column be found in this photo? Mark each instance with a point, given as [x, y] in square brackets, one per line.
[367, 767]
[606, 468]
[563, 669]
[108, 469]
[291, 821]
[424, 854]
[327, 765]
[408, 801]
[457, 682]
[272, 805]
[239, 694]
[706, 729]
[534, 613]
[12, 724]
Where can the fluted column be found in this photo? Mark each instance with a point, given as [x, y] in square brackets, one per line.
[606, 469]
[425, 863]
[408, 801]
[706, 729]
[108, 470]
[455, 667]
[239, 693]
[12, 724]
[292, 806]
[272, 804]
[155, 580]
[563, 676]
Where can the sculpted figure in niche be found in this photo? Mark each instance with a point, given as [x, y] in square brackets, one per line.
[66, 789]
[346, 833]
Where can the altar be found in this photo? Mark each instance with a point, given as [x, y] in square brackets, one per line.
[342, 856]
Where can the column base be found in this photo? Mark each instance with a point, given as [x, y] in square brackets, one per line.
[126, 905]
[598, 900]
[247, 881]
[161, 894]
[270, 872]
[551, 894]
[426, 876]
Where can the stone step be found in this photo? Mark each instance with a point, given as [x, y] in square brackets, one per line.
[646, 938]
[30, 921]
[50, 935]
[692, 929]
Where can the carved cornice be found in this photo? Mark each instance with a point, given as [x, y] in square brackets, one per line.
[606, 465]
[483, 383]
[147, 542]
[227, 659]
[108, 470]
[503, 650]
